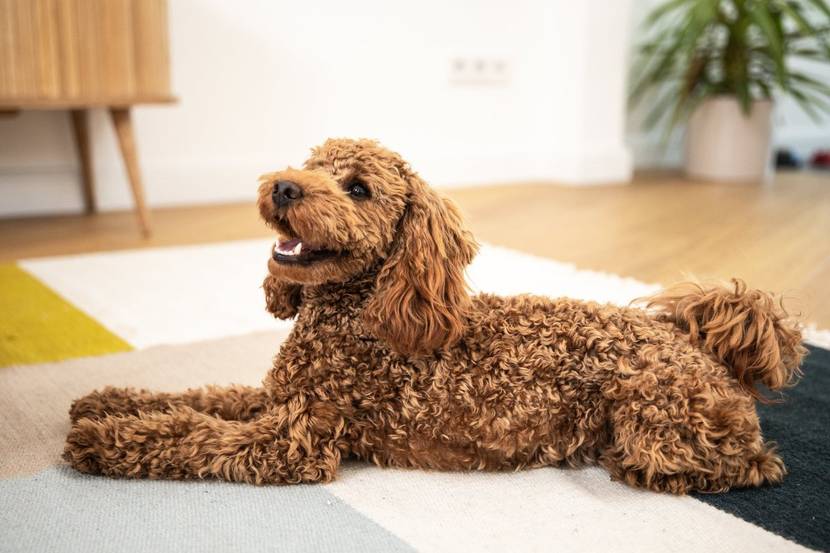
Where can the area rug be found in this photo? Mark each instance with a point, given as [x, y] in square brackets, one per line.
[172, 318]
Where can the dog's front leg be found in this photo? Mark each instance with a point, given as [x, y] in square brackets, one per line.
[298, 442]
[231, 402]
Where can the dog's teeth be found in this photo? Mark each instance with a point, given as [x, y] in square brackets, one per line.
[287, 248]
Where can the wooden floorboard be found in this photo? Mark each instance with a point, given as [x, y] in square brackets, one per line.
[661, 228]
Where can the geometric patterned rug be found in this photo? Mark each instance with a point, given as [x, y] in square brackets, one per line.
[172, 318]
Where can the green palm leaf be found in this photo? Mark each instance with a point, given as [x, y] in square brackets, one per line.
[793, 10]
[698, 48]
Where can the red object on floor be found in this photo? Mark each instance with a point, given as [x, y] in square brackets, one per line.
[821, 159]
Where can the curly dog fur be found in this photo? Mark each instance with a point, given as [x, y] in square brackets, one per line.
[391, 360]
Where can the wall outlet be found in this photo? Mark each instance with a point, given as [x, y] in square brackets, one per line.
[479, 71]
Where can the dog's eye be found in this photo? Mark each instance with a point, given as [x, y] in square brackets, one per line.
[357, 189]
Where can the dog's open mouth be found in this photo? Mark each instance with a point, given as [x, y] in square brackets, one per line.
[293, 250]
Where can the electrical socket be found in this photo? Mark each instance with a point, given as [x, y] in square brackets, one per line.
[479, 71]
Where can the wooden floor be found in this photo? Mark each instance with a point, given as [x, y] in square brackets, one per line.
[659, 229]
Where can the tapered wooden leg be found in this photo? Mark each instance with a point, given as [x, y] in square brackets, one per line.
[124, 129]
[81, 131]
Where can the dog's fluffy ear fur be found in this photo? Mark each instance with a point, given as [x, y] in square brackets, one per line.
[282, 299]
[421, 298]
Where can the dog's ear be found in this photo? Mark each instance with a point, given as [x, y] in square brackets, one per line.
[282, 299]
[421, 298]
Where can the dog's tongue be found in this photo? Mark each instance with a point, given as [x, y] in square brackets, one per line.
[290, 247]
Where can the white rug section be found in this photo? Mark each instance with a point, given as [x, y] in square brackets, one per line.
[186, 294]
[167, 295]
[191, 293]
[509, 272]
[816, 337]
[542, 510]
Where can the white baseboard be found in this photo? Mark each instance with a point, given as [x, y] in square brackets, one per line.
[612, 166]
[57, 190]
[30, 190]
[649, 151]
[54, 191]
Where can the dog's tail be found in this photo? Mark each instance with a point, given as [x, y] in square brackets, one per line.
[746, 330]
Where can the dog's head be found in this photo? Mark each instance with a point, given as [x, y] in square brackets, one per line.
[356, 207]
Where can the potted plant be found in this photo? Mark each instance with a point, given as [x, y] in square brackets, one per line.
[719, 64]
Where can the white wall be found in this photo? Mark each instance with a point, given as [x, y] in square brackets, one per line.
[792, 128]
[795, 129]
[261, 81]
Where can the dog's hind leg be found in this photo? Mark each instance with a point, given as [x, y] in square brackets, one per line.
[660, 472]
[300, 443]
[230, 403]
[679, 427]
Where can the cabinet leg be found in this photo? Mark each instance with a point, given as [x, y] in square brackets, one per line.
[80, 128]
[123, 123]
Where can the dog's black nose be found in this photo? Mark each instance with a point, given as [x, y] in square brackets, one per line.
[285, 192]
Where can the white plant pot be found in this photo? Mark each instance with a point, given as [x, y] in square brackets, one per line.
[723, 144]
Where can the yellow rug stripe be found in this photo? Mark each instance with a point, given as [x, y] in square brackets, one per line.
[37, 325]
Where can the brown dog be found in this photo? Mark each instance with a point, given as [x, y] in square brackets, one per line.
[393, 362]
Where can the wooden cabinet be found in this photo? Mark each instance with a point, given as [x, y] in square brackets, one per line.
[78, 54]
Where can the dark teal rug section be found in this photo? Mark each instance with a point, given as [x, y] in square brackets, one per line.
[60, 510]
[799, 509]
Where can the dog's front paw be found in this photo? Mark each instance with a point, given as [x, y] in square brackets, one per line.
[282, 299]
[84, 446]
[109, 401]
[89, 406]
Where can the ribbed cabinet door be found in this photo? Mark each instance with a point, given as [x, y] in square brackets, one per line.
[151, 48]
[29, 64]
[84, 50]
